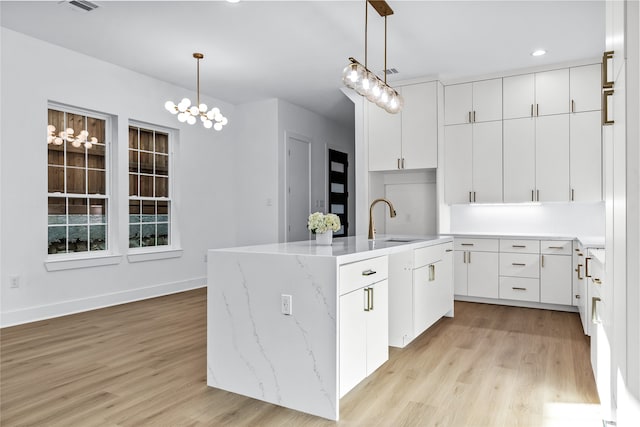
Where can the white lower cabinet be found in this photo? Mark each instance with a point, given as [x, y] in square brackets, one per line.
[555, 279]
[364, 323]
[476, 267]
[421, 291]
[579, 286]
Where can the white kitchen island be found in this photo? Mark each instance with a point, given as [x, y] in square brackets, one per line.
[294, 360]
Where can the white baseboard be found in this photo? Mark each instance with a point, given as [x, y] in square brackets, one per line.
[64, 308]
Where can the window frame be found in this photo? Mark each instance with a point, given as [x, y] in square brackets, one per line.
[68, 260]
[173, 249]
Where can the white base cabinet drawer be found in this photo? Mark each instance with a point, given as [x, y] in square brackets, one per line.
[520, 288]
[429, 255]
[363, 273]
[476, 245]
[520, 246]
[556, 247]
[520, 265]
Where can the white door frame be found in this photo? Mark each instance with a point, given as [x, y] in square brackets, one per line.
[288, 135]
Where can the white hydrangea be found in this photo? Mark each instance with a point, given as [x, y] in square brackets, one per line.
[321, 223]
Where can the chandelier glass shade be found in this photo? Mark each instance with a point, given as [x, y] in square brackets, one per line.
[68, 136]
[359, 78]
[191, 113]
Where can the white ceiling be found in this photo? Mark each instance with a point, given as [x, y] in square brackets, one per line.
[296, 50]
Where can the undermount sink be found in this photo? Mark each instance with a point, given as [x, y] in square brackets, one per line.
[399, 240]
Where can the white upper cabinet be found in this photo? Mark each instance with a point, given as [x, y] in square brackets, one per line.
[586, 156]
[487, 162]
[409, 139]
[385, 133]
[419, 119]
[539, 94]
[519, 160]
[458, 154]
[552, 92]
[552, 158]
[518, 94]
[487, 100]
[475, 102]
[584, 88]
[458, 103]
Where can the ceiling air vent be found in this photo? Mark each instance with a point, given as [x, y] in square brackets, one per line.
[389, 71]
[83, 5]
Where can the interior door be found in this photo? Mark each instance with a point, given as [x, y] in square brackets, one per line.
[338, 190]
[298, 183]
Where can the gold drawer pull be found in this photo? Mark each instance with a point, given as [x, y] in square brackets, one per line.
[519, 289]
[369, 272]
[594, 313]
[597, 281]
[518, 246]
[466, 244]
[518, 264]
[555, 247]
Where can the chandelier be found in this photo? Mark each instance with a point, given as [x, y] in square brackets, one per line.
[68, 136]
[190, 113]
[358, 77]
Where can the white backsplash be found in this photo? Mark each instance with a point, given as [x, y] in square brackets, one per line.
[555, 219]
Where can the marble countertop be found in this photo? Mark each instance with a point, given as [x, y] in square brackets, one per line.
[587, 241]
[346, 249]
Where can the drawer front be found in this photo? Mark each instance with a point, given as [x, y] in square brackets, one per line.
[520, 265]
[520, 246]
[558, 247]
[363, 273]
[478, 245]
[430, 254]
[520, 288]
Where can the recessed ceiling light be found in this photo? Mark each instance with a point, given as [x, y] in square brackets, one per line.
[538, 52]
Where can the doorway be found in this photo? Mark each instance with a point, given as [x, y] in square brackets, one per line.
[338, 194]
[298, 187]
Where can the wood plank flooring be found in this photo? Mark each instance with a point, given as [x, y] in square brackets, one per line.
[144, 364]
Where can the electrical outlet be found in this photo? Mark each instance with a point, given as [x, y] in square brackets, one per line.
[14, 281]
[285, 304]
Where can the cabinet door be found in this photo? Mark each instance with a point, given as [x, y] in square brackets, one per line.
[378, 326]
[400, 298]
[585, 148]
[518, 94]
[519, 160]
[424, 305]
[487, 162]
[487, 100]
[458, 163]
[552, 158]
[552, 92]
[555, 279]
[579, 293]
[419, 119]
[353, 340]
[585, 88]
[483, 274]
[457, 104]
[460, 273]
[384, 138]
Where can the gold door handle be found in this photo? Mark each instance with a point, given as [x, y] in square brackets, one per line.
[369, 272]
[532, 196]
[367, 299]
[537, 195]
[573, 195]
[537, 110]
[519, 289]
[542, 260]
[398, 163]
[597, 281]
[555, 247]
[531, 110]
[577, 296]
[371, 306]
[518, 246]
[605, 107]
[474, 197]
[594, 313]
[474, 117]
[518, 264]
[579, 271]
[464, 257]
[470, 117]
[469, 257]
[402, 163]
[586, 267]
[470, 201]
[466, 244]
[432, 272]
[573, 106]
[606, 84]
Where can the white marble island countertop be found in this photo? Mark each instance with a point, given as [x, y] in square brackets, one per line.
[346, 249]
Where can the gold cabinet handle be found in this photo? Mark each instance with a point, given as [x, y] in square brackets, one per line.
[532, 196]
[606, 84]
[470, 201]
[578, 296]
[597, 281]
[469, 257]
[537, 195]
[466, 244]
[470, 117]
[371, 306]
[537, 110]
[474, 116]
[518, 246]
[402, 163]
[432, 272]
[586, 267]
[518, 264]
[579, 271]
[369, 272]
[573, 106]
[398, 163]
[464, 257]
[573, 194]
[605, 107]
[555, 247]
[531, 110]
[449, 250]
[519, 289]
[474, 197]
[594, 314]
[542, 260]
[367, 299]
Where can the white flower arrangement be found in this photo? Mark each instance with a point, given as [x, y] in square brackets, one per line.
[321, 223]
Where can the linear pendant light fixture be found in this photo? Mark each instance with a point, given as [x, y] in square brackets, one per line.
[362, 80]
[189, 113]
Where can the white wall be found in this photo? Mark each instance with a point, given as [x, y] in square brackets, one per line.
[561, 219]
[323, 134]
[35, 72]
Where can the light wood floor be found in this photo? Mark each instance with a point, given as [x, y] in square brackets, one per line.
[144, 364]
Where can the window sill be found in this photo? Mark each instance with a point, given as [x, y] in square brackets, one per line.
[153, 255]
[74, 263]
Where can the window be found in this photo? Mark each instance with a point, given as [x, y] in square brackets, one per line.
[149, 189]
[78, 185]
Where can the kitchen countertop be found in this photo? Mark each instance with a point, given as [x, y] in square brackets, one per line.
[346, 249]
